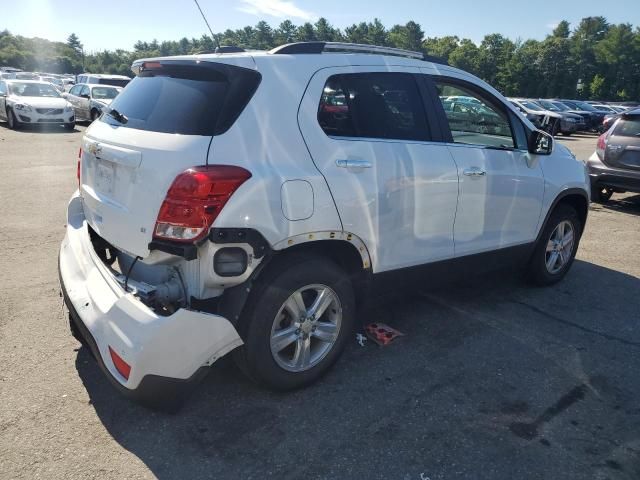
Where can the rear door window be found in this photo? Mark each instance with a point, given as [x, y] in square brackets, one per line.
[187, 99]
[373, 105]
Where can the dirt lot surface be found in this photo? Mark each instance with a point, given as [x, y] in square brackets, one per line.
[493, 380]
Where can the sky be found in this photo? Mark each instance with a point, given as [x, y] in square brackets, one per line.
[111, 24]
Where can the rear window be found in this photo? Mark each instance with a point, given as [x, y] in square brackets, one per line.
[113, 81]
[628, 128]
[187, 99]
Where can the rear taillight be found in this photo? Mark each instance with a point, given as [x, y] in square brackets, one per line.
[601, 145]
[78, 170]
[194, 200]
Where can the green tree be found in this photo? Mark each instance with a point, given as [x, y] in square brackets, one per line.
[325, 32]
[306, 33]
[285, 33]
[73, 42]
[441, 47]
[407, 36]
[596, 87]
[562, 30]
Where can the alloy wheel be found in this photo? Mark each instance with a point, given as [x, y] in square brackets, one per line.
[306, 328]
[559, 247]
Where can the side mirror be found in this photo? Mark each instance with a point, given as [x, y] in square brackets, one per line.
[85, 95]
[64, 94]
[541, 143]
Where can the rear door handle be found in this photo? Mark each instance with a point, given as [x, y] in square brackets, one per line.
[474, 172]
[353, 163]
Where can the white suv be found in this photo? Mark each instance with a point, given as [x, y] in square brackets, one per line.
[249, 201]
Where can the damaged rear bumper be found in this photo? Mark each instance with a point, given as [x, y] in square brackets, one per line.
[167, 355]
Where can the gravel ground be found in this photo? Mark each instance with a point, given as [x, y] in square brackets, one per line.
[493, 380]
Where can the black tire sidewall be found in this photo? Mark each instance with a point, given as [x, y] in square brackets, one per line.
[600, 197]
[12, 121]
[538, 272]
[267, 299]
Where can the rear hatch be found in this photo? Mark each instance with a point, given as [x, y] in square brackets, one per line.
[623, 144]
[161, 124]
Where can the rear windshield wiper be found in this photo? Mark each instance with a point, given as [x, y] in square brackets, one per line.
[115, 114]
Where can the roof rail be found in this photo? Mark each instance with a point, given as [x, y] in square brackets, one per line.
[341, 47]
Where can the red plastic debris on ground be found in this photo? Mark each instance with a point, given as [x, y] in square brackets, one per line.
[381, 333]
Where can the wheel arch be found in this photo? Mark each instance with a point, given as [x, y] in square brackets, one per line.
[345, 249]
[577, 198]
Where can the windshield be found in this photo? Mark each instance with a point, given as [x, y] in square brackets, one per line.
[26, 76]
[585, 106]
[531, 106]
[33, 89]
[55, 81]
[549, 105]
[561, 106]
[106, 93]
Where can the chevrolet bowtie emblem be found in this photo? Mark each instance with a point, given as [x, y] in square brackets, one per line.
[95, 149]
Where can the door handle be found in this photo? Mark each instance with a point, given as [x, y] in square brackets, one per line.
[474, 172]
[353, 163]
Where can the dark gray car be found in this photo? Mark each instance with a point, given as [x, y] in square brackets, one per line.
[615, 165]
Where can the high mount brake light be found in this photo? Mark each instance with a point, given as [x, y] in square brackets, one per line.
[195, 199]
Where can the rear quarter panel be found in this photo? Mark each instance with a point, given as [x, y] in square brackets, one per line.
[266, 140]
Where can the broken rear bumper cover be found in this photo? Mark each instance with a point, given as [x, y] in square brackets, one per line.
[167, 355]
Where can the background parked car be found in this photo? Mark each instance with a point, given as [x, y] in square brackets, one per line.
[29, 102]
[583, 119]
[615, 165]
[103, 79]
[89, 100]
[596, 116]
[553, 122]
[56, 82]
[535, 113]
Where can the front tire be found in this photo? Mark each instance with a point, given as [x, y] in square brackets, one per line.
[12, 121]
[70, 126]
[556, 248]
[296, 323]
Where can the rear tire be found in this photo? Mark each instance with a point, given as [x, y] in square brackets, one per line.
[556, 248]
[70, 126]
[94, 115]
[555, 128]
[279, 312]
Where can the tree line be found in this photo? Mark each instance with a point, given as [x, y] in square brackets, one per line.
[594, 60]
